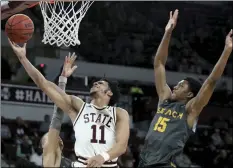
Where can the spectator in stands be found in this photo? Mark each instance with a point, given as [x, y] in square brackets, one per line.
[22, 127]
[5, 130]
[36, 157]
[6, 69]
[45, 125]
[24, 147]
[3, 162]
[205, 137]
[216, 138]
[221, 159]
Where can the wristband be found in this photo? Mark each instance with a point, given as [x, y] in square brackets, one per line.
[105, 155]
[62, 79]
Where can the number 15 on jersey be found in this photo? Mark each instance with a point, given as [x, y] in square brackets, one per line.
[161, 124]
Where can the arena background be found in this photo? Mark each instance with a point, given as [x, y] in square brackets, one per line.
[118, 40]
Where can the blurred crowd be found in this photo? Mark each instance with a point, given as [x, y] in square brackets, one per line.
[128, 33]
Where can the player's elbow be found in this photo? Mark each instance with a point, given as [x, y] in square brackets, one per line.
[157, 64]
[211, 82]
[41, 82]
[122, 148]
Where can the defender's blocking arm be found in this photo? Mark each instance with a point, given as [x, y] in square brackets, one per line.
[207, 89]
[160, 59]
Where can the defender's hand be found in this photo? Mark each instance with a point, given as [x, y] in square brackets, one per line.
[96, 161]
[68, 67]
[19, 51]
[172, 21]
[229, 41]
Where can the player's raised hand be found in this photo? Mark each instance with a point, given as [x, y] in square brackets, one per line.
[172, 21]
[229, 41]
[19, 51]
[68, 67]
[96, 161]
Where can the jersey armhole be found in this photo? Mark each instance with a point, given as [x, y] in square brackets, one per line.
[79, 113]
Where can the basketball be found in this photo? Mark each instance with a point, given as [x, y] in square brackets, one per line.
[19, 28]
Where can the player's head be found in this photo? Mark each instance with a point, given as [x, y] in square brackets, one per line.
[186, 89]
[106, 89]
[44, 142]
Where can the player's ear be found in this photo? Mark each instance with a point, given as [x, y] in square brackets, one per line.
[109, 93]
[190, 95]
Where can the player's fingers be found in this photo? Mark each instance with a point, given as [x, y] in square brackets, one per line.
[73, 54]
[230, 33]
[73, 59]
[10, 42]
[175, 14]
[69, 55]
[74, 67]
[89, 163]
[170, 14]
[93, 164]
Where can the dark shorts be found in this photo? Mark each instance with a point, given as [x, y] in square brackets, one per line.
[166, 165]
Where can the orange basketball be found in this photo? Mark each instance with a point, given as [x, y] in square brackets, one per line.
[19, 28]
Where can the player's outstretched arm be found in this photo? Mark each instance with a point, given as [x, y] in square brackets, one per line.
[58, 96]
[207, 89]
[160, 59]
[122, 136]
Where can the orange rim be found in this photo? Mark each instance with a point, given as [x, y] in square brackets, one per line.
[52, 1]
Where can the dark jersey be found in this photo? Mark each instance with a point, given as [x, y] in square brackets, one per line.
[167, 134]
[65, 163]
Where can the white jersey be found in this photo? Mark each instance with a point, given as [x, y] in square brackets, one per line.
[94, 133]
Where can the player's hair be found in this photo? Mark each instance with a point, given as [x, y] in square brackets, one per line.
[113, 85]
[194, 85]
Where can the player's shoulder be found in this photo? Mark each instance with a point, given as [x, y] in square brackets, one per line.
[120, 112]
[77, 102]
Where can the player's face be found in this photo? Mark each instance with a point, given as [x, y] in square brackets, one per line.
[181, 91]
[100, 87]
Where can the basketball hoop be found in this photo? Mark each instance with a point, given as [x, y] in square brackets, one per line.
[62, 20]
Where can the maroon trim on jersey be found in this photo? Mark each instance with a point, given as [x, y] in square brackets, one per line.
[79, 114]
[82, 159]
[106, 107]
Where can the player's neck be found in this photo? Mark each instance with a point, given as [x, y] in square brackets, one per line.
[99, 102]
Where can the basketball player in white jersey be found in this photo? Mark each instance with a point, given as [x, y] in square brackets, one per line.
[51, 143]
[101, 131]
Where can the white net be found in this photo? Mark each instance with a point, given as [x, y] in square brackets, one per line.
[62, 20]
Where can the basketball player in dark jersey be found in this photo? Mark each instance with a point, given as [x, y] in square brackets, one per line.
[179, 108]
[51, 143]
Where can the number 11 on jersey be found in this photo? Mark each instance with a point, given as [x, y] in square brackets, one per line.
[102, 134]
[161, 124]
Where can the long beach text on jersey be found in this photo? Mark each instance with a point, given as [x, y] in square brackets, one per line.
[94, 130]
